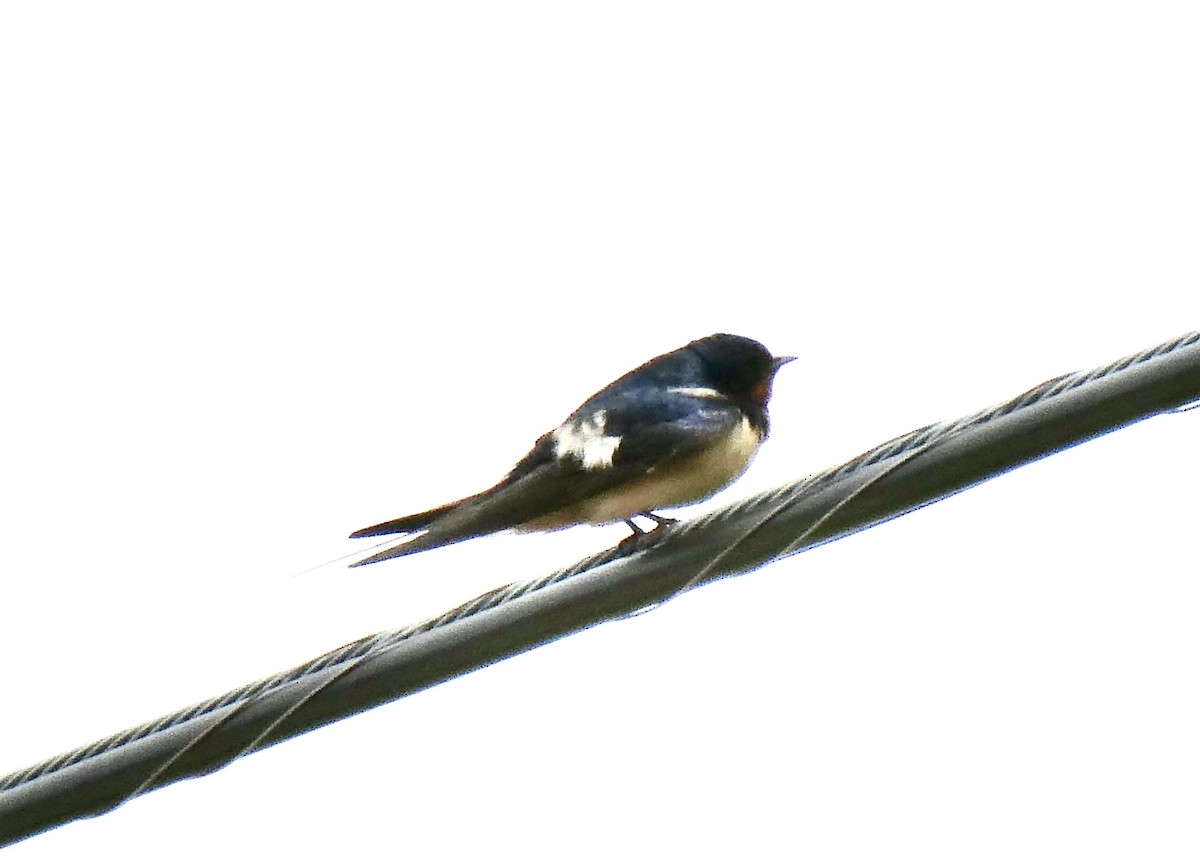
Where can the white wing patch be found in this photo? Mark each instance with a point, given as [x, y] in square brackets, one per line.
[586, 441]
[695, 391]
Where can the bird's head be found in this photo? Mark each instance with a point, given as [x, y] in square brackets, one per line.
[739, 366]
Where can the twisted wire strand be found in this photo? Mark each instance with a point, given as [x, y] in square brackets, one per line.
[685, 538]
[330, 660]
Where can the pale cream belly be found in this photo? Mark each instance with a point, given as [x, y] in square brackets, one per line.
[678, 485]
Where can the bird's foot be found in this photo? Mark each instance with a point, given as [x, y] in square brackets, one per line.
[660, 521]
[641, 539]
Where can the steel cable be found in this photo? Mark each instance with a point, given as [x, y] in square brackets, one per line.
[903, 474]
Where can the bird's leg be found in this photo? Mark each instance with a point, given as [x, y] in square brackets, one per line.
[630, 544]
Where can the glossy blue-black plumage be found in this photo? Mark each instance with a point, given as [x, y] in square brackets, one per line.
[679, 413]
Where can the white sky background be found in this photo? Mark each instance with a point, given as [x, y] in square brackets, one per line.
[273, 272]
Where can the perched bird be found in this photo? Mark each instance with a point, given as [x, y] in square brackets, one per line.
[672, 432]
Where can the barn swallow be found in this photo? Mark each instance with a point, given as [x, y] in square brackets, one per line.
[669, 433]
